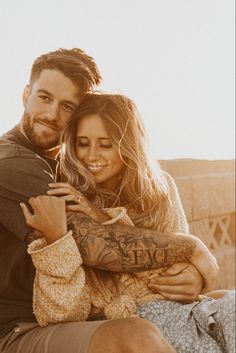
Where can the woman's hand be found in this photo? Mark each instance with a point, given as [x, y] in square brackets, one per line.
[49, 216]
[180, 282]
[81, 204]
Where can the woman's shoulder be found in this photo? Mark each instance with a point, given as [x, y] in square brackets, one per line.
[169, 180]
[177, 217]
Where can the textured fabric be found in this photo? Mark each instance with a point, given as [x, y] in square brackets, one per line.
[59, 268]
[64, 296]
[177, 222]
[61, 297]
[70, 337]
[64, 290]
[117, 214]
[23, 173]
[200, 327]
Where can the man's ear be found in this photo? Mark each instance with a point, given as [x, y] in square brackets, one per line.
[25, 95]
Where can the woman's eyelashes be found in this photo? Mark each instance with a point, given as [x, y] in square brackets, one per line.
[86, 144]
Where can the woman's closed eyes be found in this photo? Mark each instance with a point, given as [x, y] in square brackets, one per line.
[85, 143]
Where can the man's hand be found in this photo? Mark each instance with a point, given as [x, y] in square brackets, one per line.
[206, 264]
[180, 282]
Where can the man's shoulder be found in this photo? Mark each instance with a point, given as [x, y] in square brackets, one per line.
[10, 149]
[21, 167]
[19, 160]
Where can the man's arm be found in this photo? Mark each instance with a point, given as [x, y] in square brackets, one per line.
[123, 248]
[21, 177]
[181, 281]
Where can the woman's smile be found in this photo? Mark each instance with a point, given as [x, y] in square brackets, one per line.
[95, 149]
[97, 167]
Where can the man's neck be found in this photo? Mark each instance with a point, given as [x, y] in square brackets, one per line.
[51, 153]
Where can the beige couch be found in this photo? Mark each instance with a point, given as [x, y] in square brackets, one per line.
[207, 190]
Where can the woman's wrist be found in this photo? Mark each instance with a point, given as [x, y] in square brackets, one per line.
[53, 235]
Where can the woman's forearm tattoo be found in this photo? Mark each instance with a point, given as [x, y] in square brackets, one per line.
[123, 248]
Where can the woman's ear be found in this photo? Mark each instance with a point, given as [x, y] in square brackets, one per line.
[25, 95]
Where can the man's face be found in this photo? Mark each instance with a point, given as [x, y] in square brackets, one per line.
[49, 103]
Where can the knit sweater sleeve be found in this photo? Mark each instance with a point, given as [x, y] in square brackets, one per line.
[60, 293]
[177, 221]
[117, 215]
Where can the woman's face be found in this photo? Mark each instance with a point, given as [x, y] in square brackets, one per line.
[95, 150]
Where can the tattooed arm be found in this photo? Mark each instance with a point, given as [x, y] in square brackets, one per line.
[123, 248]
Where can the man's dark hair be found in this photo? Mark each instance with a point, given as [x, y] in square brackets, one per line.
[80, 68]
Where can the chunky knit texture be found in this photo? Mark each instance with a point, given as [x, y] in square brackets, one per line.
[64, 290]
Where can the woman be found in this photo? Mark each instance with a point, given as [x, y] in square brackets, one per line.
[104, 154]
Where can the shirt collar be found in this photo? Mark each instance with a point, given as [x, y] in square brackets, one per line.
[16, 135]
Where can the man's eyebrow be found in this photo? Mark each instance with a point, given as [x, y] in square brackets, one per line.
[51, 95]
[45, 92]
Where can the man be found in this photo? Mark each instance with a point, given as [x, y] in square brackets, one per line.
[58, 82]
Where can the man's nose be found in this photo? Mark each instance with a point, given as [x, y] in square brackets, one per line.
[52, 112]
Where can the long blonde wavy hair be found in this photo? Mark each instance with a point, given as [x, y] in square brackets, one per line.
[142, 191]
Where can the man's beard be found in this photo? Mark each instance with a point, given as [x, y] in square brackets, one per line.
[42, 141]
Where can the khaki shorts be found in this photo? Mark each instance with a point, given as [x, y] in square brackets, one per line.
[69, 337]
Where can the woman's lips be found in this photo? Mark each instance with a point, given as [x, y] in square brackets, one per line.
[96, 168]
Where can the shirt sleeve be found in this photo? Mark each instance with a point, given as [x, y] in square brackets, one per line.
[21, 178]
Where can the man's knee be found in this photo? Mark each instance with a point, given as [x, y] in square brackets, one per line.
[128, 336]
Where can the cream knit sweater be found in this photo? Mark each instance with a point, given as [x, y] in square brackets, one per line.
[64, 290]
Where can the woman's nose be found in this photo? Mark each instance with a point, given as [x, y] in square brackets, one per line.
[93, 154]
